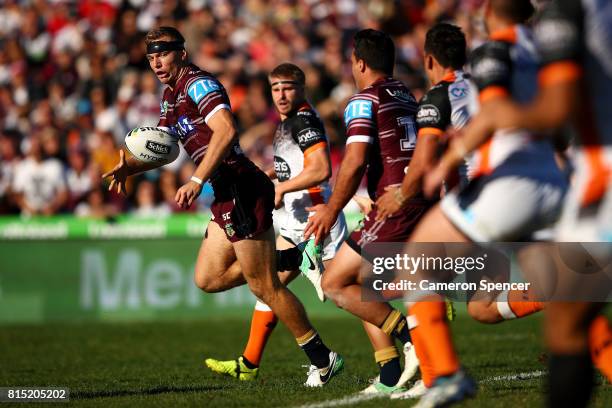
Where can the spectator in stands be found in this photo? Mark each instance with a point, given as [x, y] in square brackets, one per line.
[80, 68]
[39, 184]
[148, 201]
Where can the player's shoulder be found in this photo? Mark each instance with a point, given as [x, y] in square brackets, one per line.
[491, 63]
[436, 95]
[305, 113]
[368, 94]
[198, 84]
[434, 107]
[491, 50]
[304, 117]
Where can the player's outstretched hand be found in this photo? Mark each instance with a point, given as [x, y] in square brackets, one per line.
[119, 174]
[387, 204]
[187, 194]
[320, 223]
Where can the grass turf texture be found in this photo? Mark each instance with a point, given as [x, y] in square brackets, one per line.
[161, 364]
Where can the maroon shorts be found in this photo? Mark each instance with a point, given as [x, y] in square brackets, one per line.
[397, 228]
[243, 204]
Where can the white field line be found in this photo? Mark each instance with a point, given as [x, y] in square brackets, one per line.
[354, 399]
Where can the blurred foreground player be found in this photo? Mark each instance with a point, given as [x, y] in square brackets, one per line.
[575, 84]
[240, 236]
[302, 165]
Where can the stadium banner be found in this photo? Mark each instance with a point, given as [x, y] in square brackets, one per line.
[14, 228]
[65, 269]
[540, 271]
[114, 280]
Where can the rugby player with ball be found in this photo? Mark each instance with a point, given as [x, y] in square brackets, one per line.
[240, 237]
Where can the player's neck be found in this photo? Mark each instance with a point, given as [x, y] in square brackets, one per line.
[180, 73]
[443, 74]
[370, 78]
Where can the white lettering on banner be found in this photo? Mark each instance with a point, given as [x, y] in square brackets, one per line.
[161, 284]
[111, 294]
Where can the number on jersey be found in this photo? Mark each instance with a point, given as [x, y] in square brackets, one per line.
[408, 142]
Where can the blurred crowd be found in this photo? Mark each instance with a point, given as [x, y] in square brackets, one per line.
[74, 80]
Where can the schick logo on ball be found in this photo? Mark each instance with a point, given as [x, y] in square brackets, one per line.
[157, 148]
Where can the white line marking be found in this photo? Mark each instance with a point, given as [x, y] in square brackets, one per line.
[515, 377]
[354, 399]
[348, 400]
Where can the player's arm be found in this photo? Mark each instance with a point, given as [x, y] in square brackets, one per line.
[349, 177]
[317, 169]
[223, 134]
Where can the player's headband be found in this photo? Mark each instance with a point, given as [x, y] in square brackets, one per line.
[159, 46]
[285, 82]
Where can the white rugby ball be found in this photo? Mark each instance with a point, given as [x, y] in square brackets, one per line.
[152, 145]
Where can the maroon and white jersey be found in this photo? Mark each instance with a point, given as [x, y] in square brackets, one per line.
[186, 110]
[384, 115]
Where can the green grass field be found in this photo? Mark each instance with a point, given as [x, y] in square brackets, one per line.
[160, 364]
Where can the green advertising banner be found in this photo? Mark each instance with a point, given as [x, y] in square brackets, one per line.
[67, 227]
[114, 272]
[122, 227]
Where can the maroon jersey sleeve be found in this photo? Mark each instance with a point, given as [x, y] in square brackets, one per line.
[360, 119]
[208, 94]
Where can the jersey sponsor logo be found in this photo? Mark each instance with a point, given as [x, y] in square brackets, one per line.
[356, 109]
[428, 115]
[489, 67]
[202, 87]
[157, 148]
[308, 135]
[458, 92]
[163, 107]
[184, 126]
[282, 169]
[401, 95]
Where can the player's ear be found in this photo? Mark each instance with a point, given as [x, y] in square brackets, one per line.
[361, 65]
[184, 55]
[429, 62]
